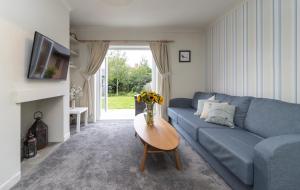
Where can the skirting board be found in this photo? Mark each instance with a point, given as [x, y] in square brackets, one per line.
[11, 181]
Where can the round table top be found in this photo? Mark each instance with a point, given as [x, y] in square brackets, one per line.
[161, 135]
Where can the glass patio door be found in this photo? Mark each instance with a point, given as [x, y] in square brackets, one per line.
[118, 99]
[102, 92]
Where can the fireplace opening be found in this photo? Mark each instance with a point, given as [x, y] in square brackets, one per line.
[43, 121]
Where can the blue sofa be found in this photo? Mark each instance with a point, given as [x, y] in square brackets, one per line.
[262, 152]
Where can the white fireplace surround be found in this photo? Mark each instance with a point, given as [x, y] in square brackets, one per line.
[53, 101]
[53, 104]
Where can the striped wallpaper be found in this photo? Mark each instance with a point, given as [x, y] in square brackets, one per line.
[254, 50]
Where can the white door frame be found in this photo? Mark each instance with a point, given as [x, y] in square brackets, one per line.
[99, 90]
[99, 81]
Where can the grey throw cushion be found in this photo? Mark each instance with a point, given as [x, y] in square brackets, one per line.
[222, 114]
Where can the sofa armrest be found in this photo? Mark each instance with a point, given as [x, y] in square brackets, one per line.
[277, 163]
[181, 103]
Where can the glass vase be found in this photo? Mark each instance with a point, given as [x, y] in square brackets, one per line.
[149, 114]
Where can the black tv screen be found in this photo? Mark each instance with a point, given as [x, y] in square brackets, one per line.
[49, 60]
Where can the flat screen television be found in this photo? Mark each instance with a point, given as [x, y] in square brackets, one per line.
[49, 60]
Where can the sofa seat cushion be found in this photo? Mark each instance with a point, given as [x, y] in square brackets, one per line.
[234, 148]
[173, 114]
[190, 123]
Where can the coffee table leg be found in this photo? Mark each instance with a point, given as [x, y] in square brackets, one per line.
[144, 157]
[178, 165]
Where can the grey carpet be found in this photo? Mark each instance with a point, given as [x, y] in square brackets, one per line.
[106, 155]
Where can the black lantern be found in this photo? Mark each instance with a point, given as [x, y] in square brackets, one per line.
[40, 130]
[30, 149]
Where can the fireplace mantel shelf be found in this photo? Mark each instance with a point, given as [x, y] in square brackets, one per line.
[22, 96]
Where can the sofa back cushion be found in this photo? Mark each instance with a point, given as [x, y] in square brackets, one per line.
[269, 118]
[200, 96]
[241, 106]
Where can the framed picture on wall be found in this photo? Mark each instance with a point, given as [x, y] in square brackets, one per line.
[184, 55]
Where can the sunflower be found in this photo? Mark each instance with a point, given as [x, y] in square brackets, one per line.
[161, 100]
[139, 98]
[143, 94]
[156, 98]
[151, 97]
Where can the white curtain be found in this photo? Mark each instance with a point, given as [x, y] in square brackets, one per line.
[160, 54]
[97, 52]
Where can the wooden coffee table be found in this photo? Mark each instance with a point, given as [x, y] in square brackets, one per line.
[161, 137]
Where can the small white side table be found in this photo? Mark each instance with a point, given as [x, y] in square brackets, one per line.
[78, 111]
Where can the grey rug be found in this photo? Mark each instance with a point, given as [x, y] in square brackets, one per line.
[107, 155]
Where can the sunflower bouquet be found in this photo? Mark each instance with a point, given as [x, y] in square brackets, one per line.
[149, 98]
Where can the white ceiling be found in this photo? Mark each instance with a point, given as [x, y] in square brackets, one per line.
[147, 13]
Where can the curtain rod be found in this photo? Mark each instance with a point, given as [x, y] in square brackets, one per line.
[127, 41]
[73, 35]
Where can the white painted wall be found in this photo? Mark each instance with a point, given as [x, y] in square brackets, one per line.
[81, 63]
[18, 21]
[186, 77]
[254, 50]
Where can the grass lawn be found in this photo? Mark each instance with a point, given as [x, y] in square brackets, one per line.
[120, 102]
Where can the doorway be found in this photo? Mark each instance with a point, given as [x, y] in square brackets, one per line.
[126, 71]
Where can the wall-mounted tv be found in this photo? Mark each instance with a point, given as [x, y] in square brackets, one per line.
[49, 60]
